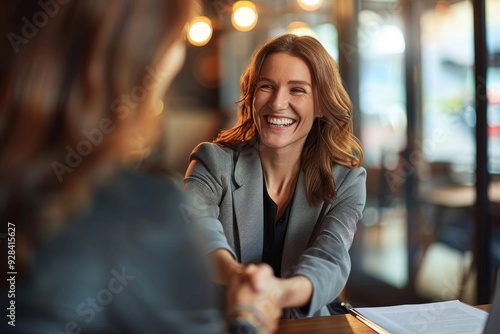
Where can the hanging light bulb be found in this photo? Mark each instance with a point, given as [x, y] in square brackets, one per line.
[310, 5]
[200, 31]
[244, 17]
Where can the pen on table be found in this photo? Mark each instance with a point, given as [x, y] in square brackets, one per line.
[365, 320]
[347, 306]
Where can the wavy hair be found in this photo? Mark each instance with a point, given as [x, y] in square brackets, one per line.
[331, 139]
[75, 82]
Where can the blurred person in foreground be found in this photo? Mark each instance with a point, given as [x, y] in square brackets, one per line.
[285, 185]
[90, 245]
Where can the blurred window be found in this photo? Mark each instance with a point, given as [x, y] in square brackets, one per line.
[380, 249]
[382, 93]
[448, 86]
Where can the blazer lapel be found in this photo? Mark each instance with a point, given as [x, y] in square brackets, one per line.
[301, 223]
[248, 208]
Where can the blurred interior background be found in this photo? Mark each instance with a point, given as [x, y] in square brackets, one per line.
[409, 67]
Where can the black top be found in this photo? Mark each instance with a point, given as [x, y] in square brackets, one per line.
[274, 233]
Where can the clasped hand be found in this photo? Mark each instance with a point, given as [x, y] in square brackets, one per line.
[255, 295]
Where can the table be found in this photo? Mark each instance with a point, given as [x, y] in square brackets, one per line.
[458, 196]
[331, 324]
[338, 324]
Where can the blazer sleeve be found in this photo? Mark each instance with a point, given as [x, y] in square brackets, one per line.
[327, 262]
[206, 182]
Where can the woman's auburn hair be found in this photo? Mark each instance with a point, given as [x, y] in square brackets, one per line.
[66, 82]
[331, 139]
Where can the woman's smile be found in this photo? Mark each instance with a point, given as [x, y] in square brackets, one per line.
[279, 121]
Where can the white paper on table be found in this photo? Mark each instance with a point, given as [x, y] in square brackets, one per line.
[450, 317]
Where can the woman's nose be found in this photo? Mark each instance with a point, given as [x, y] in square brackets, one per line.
[279, 100]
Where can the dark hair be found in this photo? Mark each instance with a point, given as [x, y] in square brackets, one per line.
[331, 139]
[74, 101]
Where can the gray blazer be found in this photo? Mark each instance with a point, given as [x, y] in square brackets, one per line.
[227, 189]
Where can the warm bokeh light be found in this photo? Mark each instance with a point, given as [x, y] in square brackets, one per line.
[310, 4]
[200, 31]
[244, 17]
[301, 29]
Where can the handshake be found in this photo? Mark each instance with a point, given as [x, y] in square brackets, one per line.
[255, 300]
[255, 296]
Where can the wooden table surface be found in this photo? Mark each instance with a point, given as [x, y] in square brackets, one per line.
[338, 324]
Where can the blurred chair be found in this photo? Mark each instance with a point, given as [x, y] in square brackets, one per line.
[448, 208]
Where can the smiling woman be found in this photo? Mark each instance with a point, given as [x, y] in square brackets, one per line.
[290, 164]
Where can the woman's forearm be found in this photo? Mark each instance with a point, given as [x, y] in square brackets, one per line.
[225, 266]
[296, 291]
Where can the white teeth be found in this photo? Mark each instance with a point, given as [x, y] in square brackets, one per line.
[280, 121]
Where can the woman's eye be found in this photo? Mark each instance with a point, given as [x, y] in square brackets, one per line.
[297, 90]
[265, 87]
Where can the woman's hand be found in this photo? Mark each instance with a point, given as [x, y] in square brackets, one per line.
[295, 291]
[261, 306]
